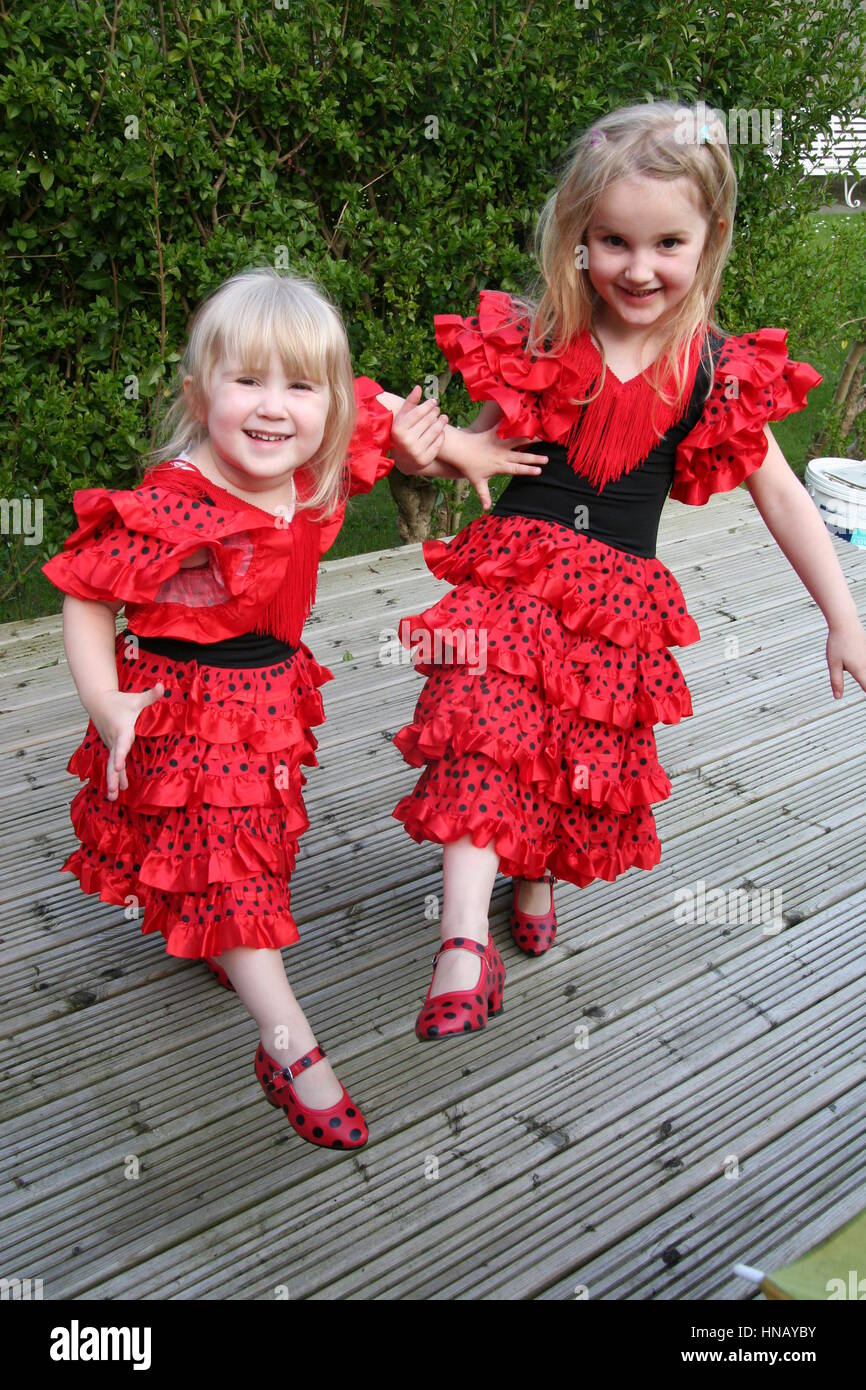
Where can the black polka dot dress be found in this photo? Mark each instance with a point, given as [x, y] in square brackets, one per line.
[548, 663]
[202, 844]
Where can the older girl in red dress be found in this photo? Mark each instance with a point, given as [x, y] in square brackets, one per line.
[548, 662]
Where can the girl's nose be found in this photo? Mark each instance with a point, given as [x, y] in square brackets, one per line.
[639, 272]
[273, 402]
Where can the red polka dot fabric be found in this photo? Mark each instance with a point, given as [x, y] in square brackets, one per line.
[755, 382]
[546, 667]
[203, 841]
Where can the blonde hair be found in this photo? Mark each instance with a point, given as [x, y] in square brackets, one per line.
[253, 313]
[660, 140]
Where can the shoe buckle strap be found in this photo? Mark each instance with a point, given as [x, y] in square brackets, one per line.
[286, 1073]
[461, 943]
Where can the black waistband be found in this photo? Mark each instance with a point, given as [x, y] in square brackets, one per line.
[247, 650]
[625, 514]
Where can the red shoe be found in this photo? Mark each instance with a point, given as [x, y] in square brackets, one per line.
[341, 1126]
[534, 935]
[465, 1010]
[220, 974]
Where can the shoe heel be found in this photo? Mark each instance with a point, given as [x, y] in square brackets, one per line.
[495, 981]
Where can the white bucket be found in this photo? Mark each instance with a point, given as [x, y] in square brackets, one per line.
[838, 489]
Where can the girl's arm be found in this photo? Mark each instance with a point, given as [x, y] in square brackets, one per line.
[795, 523]
[88, 637]
[476, 453]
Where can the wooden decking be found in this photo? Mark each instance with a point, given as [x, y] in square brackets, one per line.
[717, 1111]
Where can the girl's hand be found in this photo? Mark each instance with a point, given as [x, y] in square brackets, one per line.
[114, 715]
[846, 651]
[416, 432]
[484, 455]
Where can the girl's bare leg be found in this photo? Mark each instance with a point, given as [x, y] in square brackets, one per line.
[259, 978]
[468, 874]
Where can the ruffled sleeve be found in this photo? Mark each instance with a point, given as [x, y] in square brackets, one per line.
[366, 458]
[489, 350]
[755, 382]
[129, 546]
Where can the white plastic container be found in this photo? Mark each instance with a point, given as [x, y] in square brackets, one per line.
[838, 489]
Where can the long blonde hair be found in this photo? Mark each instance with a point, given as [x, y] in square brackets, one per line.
[657, 140]
[253, 313]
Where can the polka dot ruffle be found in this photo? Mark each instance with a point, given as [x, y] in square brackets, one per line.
[755, 382]
[205, 837]
[546, 668]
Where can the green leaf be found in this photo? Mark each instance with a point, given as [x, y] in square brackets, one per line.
[46, 177]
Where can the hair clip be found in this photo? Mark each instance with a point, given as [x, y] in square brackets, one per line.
[705, 138]
[598, 137]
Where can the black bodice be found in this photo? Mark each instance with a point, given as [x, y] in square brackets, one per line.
[624, 513]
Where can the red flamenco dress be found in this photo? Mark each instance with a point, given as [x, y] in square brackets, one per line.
[548, 662]
[204, 839]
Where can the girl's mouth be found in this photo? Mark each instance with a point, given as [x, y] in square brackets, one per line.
[638, 294]
[264, 438]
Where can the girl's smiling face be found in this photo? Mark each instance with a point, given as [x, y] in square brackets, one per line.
[261, 425]
[645, 235]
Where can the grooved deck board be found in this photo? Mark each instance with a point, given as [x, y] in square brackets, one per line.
[581, 1141]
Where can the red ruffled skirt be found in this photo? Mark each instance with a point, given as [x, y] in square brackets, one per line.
[547, 666]
[202, 844]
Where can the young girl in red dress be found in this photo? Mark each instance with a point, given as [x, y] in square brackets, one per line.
[206, 701]
[551, 659]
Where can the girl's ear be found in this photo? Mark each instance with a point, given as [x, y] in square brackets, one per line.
[193, 397]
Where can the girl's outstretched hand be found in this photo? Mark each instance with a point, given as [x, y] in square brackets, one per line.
[846, 651]
[114, 715]
[483, 455]
[416, 432]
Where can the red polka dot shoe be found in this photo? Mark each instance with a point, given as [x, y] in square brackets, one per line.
[534, 935]
[220, 974]
[465, 1010]
[341, 1126]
